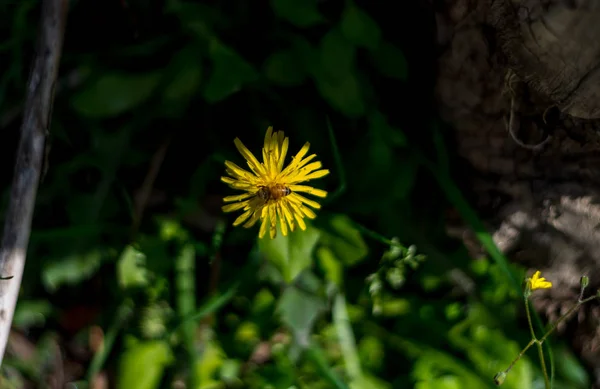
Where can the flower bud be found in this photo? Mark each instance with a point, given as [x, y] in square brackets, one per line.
[527, 289]
[499, 378]
[584, 281]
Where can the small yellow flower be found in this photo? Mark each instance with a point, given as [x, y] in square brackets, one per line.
[537, 282]
[272, 191]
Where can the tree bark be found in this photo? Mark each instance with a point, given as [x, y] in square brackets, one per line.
[518, 82]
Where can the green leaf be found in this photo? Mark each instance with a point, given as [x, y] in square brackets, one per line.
[390, 61]
[344, 240]
[71, 270]
[331, 265]
[393, 136]
[29, 313]
[343, 95]
[336, 79]
[291, 254]
[301, 13]
[285, 68]
[131, 270]
[359, 28]
[142, 365]
[229, 74]
[185, 74]
[115, 93]
[337, 54]
[299, 310]
[209, 364]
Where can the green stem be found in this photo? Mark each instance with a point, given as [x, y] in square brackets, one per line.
[123, 313]
[528, 314]
[563, 317]
[531, 342]
[543, 362]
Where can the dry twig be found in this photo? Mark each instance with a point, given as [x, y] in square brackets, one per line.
[30, 159]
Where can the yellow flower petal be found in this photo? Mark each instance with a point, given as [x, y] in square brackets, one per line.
[308, 189]
[273, 220]
[288, 213]
[233, 207]
[237, 172]
[255, 217]
[317, 174]
[282, 153]
[308, 212]
[264, 222]
[537, 282]
[253, 163]
[298, 199]
[243, 217]
[230, 199]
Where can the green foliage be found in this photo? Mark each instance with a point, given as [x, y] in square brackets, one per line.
[302, 13]
[359, 28]
[285, 68]
[390, 61]
[143, 363]
[292, 254]
[113, 94]
[229, 74]
[131, 270]
[143, 121]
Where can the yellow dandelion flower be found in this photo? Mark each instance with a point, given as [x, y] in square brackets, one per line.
[537, 282]
[272, 192]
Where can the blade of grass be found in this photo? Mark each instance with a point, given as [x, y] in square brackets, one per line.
[346, 338]
[186, 303]
[123, 313]
[211, 306]
[315, 355]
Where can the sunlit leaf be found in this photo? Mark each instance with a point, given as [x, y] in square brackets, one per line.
[302, 13]
[71, 270]
[291, 254]
[369, 381]
[229, 74]
[115, 93]
[359, 28]
[142, 365]
[131, 269]
[209, 364]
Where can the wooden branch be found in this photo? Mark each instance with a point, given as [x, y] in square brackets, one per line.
[30, 159]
